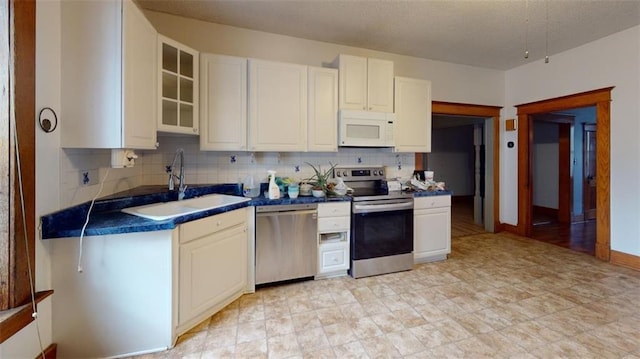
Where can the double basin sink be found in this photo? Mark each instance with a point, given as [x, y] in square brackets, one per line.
[168, 210]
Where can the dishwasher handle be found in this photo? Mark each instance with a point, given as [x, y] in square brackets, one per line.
[287, 208]
[285, 213]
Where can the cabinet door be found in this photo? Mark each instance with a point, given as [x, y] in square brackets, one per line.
[108, 95]
[178, 86]
[223, 117]
[412, 128]
[139, 77]
[333, 257]
[322, 125]
[380, 85]
[212, 268]
[353, 82]
[277, 106]
[432, 234]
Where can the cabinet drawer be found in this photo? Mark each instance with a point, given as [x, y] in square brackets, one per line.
[333, 224]
[333, 257]
[334, 209]
[431, 202]
[196, 229]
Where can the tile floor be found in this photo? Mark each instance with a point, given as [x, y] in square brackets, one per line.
[497, 296]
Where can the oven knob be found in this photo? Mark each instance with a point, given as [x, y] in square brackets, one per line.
[345, 174]
[338, 174]
[375, 172]
[381, 173]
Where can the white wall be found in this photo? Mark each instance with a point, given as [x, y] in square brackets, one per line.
[450, 82]
[546, 169]
[611, 61]
[452, 159]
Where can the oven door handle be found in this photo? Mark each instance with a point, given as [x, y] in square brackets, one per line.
[370, 208]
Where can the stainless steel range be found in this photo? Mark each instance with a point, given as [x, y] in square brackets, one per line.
[381, 223]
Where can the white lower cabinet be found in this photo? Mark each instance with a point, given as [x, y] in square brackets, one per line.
[213, 265]
[431, 228]
[334, 225]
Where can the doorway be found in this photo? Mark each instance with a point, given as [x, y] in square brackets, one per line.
[601, 99]
[560, 163]
[458, 158]
[491, 118]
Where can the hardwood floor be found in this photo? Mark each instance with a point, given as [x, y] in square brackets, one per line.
[580, 237]
[462, 218]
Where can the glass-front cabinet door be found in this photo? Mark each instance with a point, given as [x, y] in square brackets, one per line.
[178, 112]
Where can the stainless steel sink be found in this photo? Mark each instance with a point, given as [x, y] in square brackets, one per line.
[167, 210]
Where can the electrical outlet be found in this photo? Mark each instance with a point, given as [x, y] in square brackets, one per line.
[89, 177]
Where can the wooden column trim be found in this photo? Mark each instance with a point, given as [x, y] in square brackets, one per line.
[51, 352]
[21, 318]
[18, 80]
[603, 180]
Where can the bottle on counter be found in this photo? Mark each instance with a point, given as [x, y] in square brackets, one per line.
[274, 190]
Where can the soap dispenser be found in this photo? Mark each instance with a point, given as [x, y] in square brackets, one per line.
[274, 190]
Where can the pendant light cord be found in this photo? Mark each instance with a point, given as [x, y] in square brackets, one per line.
[546, 40]
[526, 30]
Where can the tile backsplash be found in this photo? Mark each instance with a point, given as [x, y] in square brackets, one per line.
[204, 167]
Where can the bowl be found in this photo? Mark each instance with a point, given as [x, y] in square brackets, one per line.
[305, 189]
[317, 193]
[340, 191]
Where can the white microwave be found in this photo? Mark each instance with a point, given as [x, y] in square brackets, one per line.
[365, 128]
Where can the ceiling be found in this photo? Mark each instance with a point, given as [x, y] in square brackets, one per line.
[484, 33]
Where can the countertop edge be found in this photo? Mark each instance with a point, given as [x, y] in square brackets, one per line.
[110, 220]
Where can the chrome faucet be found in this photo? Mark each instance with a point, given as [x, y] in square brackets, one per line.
[181, 185]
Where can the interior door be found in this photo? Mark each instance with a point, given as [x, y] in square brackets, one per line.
[589, 172]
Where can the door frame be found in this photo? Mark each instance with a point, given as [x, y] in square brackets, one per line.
[493, 112]
[601, 99]
[584, 167]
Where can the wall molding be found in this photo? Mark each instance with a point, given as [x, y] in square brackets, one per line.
[625, 260]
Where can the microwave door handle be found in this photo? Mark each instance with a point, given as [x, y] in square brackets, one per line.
[369, 208]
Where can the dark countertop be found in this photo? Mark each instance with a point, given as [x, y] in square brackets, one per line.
[107, 218]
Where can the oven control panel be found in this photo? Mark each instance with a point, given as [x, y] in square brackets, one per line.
[360, 173]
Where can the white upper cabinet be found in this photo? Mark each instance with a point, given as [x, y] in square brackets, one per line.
[178, 87]
[223, 105]
[277, 106]
[322, 125]
[380, 85]
[412, 127]
[109, 76]
[365, 83]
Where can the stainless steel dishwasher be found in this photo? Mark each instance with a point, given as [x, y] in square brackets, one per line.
[286, 242]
